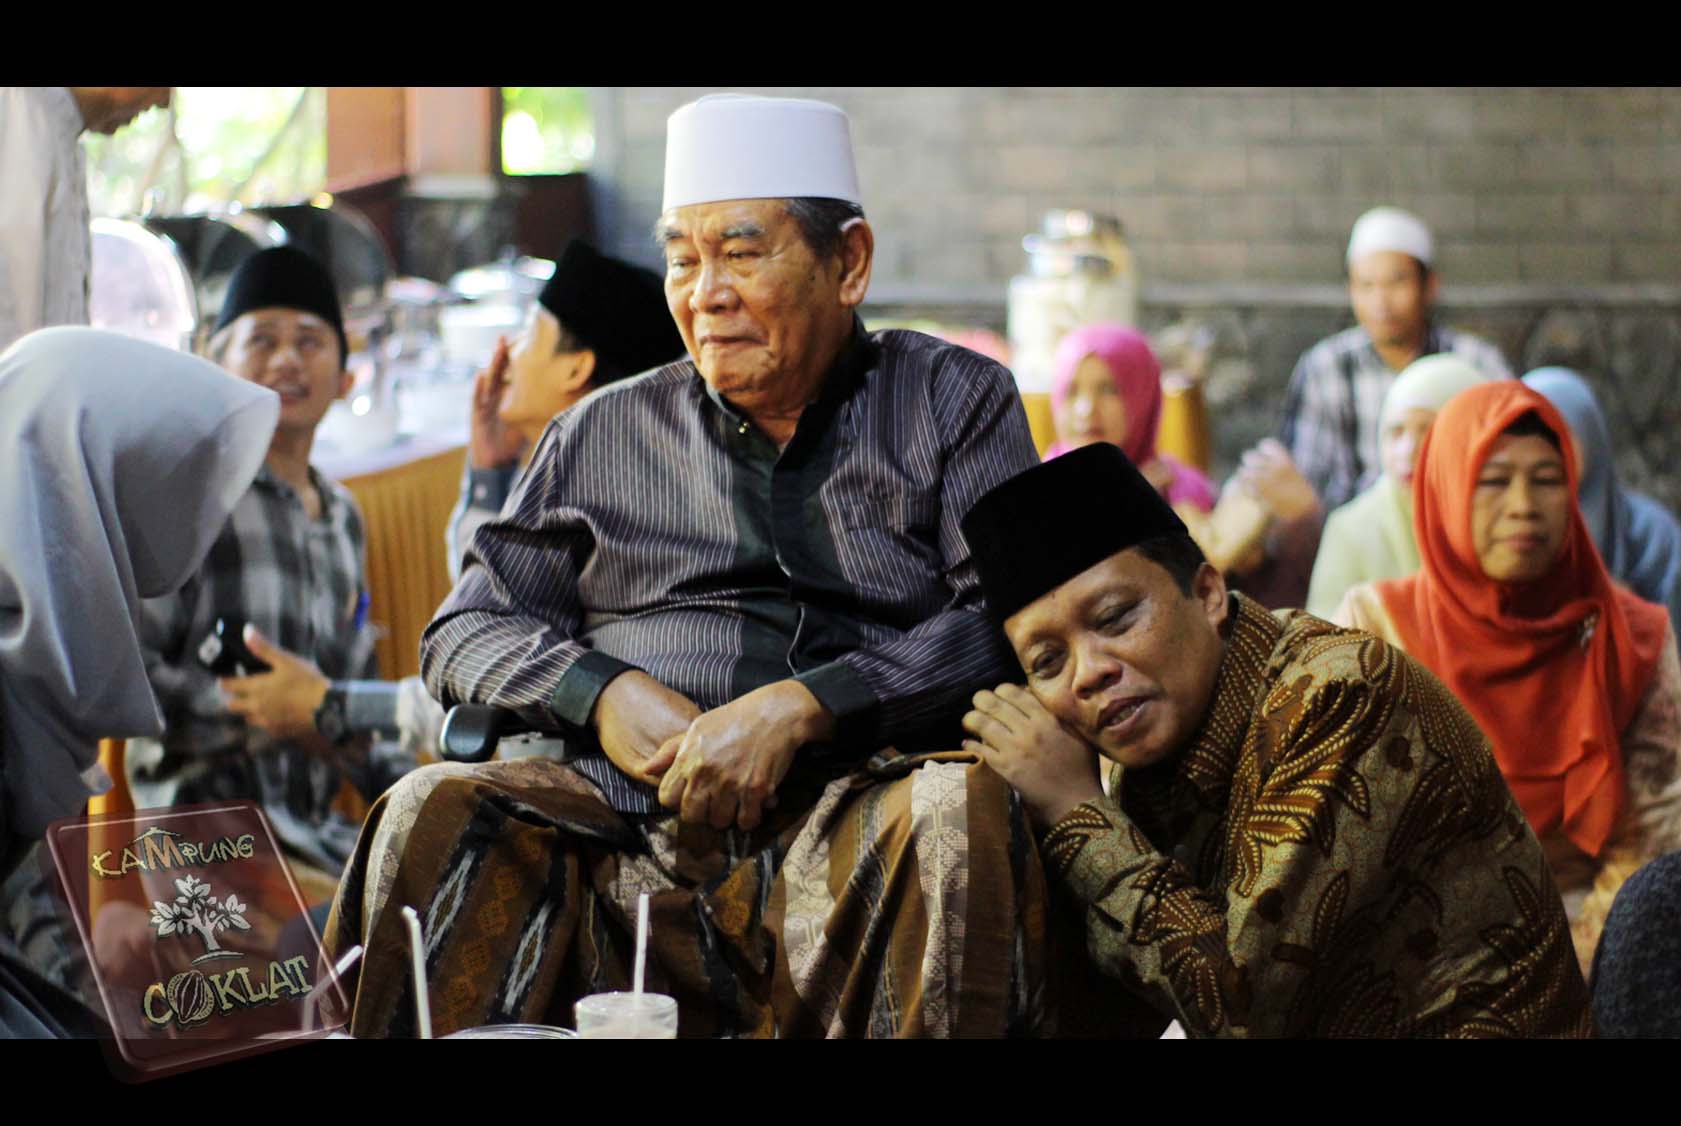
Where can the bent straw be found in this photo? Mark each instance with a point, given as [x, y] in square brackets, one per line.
[641, 939]
[312, 999]
[422, 999]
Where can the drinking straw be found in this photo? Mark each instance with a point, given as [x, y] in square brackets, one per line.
[422, 999]
[312, 1000]
[641, 939]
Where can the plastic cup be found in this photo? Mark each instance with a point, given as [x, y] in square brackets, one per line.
[627, 1016]
[513, 1032]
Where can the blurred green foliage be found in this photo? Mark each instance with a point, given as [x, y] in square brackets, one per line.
[546, 130]
[220, 134]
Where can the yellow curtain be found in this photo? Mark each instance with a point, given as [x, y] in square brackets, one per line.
[406, 509]
[1184, 431]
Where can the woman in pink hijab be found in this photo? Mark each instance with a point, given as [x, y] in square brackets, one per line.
[1107, 387]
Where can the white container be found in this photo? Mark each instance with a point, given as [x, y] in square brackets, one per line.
[627, 1016]
[1044, 310]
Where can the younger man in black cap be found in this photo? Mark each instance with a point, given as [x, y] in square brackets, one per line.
[289, 566]
[1306, 836]
[597, 321]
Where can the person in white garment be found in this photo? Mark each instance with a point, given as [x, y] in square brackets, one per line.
[45, 250]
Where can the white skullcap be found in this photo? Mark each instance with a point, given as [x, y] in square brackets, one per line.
[1390, 228]
[732, 146]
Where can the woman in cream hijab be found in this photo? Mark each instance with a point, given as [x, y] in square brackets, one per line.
[1371, 537]
[119, 463]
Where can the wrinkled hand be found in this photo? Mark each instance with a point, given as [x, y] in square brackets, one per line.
[634, 716]
[491, 443]
[726, 767]
[1052, 769]
[1270, 475]
[281, 701]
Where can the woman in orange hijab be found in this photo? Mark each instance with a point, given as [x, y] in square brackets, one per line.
[1574, 679]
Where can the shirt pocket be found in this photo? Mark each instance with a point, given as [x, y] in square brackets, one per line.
[900, 513]
[886, 531]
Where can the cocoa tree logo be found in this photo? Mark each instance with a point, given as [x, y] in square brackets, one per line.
[196, 911]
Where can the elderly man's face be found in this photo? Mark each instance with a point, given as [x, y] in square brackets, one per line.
[756, 306]
[1123, 657]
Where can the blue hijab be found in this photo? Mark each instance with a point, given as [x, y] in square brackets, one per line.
[1637, 537]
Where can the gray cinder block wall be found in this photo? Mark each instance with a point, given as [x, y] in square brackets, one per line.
[1555, 209]
[1223, 185]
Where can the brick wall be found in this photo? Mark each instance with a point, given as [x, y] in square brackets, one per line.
[1225, 185]
[1563, 197]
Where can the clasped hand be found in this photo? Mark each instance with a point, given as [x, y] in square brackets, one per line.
[721, 767]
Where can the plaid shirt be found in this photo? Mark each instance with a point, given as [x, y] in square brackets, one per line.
[657, 528]
[299, 581]
[1336, 395]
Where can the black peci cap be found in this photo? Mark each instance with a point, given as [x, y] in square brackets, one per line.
[1042, 527]
[617, 310]
[284, 277]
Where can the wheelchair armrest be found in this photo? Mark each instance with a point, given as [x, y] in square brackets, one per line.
[471, 731]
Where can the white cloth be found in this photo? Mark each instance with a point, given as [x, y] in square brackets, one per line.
[45, 248]
[732, 146]
[119, 463]
[1427, 384]
[1390, 228]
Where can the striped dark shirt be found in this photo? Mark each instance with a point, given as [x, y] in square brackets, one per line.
[657, 528]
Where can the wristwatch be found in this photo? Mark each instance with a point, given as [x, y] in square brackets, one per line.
[330, 719]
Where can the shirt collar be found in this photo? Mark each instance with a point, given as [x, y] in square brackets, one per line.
[1431, 345]
[1210, 756]
[856, 357]
[267, 479]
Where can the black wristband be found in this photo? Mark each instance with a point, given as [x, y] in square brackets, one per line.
[330, 719]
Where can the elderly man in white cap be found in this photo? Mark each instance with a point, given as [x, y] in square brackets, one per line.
[1336, 393]
[737, 586]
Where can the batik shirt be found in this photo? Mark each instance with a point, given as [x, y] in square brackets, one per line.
[657, 528]
[299, 581]
[1335, 400]
[1334, 853]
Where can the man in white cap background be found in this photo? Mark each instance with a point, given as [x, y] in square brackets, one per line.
[738, 587]
[1329, 450]
[1336, 392]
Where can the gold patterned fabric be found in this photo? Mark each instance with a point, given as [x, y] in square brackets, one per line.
[1333, 854]
[904, 899]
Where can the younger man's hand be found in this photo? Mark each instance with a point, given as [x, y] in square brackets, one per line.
[1051, 768]
[491, 443]
[281, 701]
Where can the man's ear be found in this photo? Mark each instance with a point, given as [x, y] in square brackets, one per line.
[347, 380]
[1208, 587]
[578, 371]
[858, 251]
[1432, 283]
